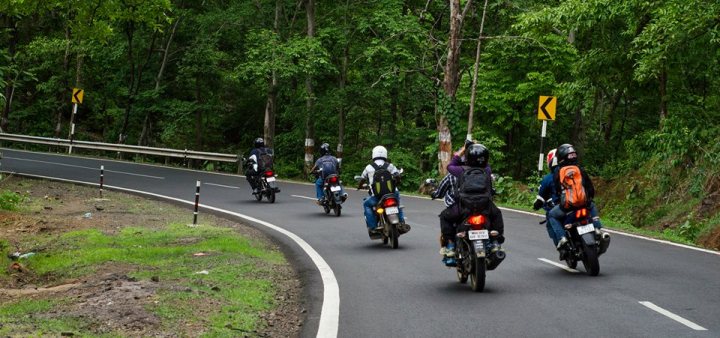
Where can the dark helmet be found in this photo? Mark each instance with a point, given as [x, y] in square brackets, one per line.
[477, 155]
[324, 149]
[259, 142]
[566, 154]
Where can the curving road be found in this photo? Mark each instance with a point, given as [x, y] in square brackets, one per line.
[645, 288]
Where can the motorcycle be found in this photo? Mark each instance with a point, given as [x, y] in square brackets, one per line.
[387, 212]
[583, 243]
[477, 251]
[332, 199]
[268, 186]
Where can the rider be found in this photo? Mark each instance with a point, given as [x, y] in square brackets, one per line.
[567, 156]
[547, 197]
[379, 162]
[260, 159]
[476, 157]
[330, 166]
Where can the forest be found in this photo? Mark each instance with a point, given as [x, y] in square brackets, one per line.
[636, 81]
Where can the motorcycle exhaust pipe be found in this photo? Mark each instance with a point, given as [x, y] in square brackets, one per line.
[604, 242]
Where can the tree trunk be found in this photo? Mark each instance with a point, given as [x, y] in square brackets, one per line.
[341, 118]
[663, 96]
[198, 116]
[129, 31]
[271, 104]
[63, 93]
[147, 122]
[310, 101]
[475, 74]
[10, 83]
[611, 115]
[451, 80]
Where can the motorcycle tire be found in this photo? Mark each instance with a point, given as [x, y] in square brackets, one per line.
[385, 239]
[337, 209]
[326, 208]
[590, 260]
[271, 196]
[394, 236]
[461, 275]
[477, 275]
[259, 196]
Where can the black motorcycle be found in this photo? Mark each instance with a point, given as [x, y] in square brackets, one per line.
[477, 251]
[332, 199]
[268, 186]
[583, 243]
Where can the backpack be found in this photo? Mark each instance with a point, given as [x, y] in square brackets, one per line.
[383, 181]
[572, 194]
[327, 164]
[264, 159]
[473, 189]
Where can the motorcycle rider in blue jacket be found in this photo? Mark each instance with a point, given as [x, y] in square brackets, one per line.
[329, 165]
[547, 197]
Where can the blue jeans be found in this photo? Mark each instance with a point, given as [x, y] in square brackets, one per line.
[319, 189]
[370, 220]
[556, 217]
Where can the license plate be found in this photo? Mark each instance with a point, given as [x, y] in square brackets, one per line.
[391, 210]
[270, 179]
[583, 229]
[334, 189]
[478, 234]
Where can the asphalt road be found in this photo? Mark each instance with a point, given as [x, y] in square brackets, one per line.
[645, 288]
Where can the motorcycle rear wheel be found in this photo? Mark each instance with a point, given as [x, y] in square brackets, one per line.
[590, 259]
[394, 236]
[259, 196]
[337, 209]
[271, 196]
[477, 275]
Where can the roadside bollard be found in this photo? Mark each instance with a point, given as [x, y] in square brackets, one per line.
[197, 200]
[102, 170]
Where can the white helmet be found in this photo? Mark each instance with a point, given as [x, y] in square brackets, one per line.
[379, 152]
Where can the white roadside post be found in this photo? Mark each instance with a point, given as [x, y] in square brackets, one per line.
[77, 98]
[197, 200]
[546, 111]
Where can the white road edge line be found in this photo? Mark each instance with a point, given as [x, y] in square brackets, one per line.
[222, 185]
[558, 265]
[82, 167]
[330, 312]
[673, 316]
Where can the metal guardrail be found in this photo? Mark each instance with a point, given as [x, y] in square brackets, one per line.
[185, 154]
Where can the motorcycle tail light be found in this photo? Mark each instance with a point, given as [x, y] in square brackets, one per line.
[333, 179]
[581, 213]
[268, 173]
[390, 202]
[476, 220]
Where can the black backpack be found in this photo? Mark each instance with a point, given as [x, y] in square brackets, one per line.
[473, 189]
[264, 159]
[383, 181]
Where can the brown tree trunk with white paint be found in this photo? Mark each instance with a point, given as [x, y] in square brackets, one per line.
[271, 103]
[341, 117]
[310, 101]
[9, 82]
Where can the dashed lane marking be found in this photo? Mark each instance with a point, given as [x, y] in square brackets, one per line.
[558, 265]
[673, 316]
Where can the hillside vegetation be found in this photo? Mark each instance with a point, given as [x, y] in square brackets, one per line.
[636, 85]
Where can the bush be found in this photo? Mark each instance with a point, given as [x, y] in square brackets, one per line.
[9, 200]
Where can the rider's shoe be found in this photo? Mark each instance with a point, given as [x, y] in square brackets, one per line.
[444, 251]
[450, 250]
[449, 261]
[320, 202]
[374, 234]
[562, 247]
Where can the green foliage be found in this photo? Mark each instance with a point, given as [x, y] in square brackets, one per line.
[10, 200]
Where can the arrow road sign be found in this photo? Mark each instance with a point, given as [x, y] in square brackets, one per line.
[546, 109]
[77, 96]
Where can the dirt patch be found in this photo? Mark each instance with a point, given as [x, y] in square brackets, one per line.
[109, 300]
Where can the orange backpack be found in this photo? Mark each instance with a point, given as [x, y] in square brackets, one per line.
[573, 193]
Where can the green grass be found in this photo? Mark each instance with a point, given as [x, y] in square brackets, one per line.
[236, 280]
[25, 317]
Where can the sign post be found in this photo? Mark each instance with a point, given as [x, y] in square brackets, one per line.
[546, 111]
[77, 98]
